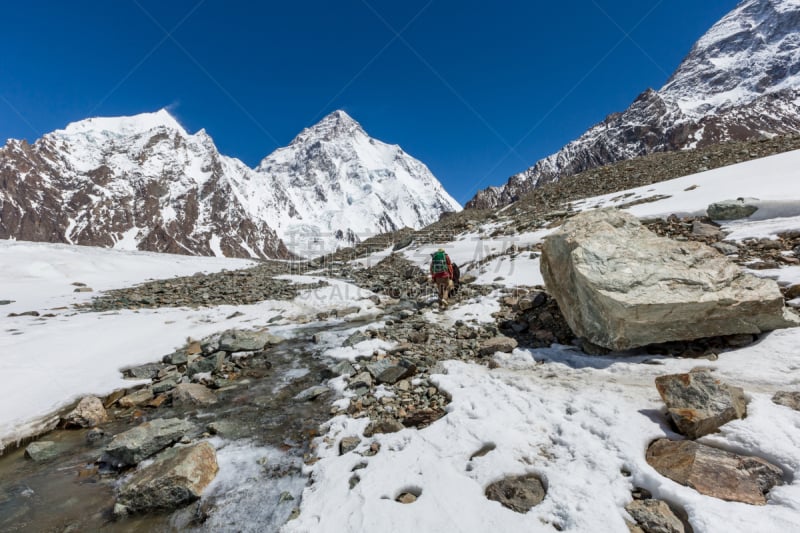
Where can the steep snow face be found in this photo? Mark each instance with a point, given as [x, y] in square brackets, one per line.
[138, 182]
[753, 50]
[336, 184]
[741, 80]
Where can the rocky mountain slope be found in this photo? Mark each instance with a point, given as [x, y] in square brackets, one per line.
[144, 182]
[741, 80]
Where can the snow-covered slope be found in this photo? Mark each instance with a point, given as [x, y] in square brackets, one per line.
[740, 80]
[337, 184]
[143, 182]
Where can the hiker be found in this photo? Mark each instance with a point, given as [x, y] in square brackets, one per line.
[442, 275]
[456, 280]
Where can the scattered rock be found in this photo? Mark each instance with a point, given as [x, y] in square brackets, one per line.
[25, 313]
[343, 368]
[732, 209]
[42, 450]
[176, 478]
[406, 498]
[713, 472]
[167, 383]
[388, 371]
[497, 344]
[87, 414]
[355, 338]
[621, 286]
[654, 516]
[133, 446]
[83, 289]
[698, 403]
[193, 394]
[518, 493]
[206, 364]
[725, 248]
[148, 371]
[6, 302]
[788, 399]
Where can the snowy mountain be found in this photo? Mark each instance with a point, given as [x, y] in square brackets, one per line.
[336, 183]
[144, 183]
[740, 80]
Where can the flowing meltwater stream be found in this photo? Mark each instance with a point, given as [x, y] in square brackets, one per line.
[262, 436]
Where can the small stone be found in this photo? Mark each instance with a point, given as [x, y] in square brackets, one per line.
[135, 399]
[654, 516]
[406, 498]
[148, 371]
[387, 425]
[42, 450]
[348, 444]
[343, 368]
[787, 399]
[497, 344]
[362, 380]
[518, 493]
[83, 289]
[166, 384]
[87, 414]
[193, 394]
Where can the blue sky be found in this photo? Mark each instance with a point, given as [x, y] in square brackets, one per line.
[476, 90]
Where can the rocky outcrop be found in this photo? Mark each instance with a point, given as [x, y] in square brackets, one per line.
[176, 478]
[714, 472]
[135, 445]
[621, 286]
[698, 403]
[87, 414]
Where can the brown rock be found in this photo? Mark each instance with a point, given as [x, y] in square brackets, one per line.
[787, 399]
[497, 344]
[135, 399]
[654, 516]
[714, 472]
[519, 493]
[698, 403]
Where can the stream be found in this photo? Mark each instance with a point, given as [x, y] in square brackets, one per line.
[261, 437]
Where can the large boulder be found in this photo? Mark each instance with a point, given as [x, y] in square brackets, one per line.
[698, 403]
[732, 209]
[713, 472]
[621, 286]
[133, 446]
[176, 478]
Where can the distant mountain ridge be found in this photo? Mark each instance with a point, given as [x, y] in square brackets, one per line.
[143, 182]
[741, 80]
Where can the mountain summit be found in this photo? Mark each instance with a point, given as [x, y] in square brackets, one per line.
[337, 183]
[741, 80]
[143, 182]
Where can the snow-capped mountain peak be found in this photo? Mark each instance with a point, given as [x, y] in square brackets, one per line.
[337, 183]
[124, 126]
[752, 51]
[335, 125]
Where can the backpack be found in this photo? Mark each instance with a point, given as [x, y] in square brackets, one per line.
[439, 264]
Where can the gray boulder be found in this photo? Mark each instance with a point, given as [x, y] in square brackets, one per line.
[732, 209]
[133, 446]
[713, 472]
[176, 478]
[787, 399]
[621, 286]
[698, 403]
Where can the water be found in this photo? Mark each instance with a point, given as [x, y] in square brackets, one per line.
[263, 435]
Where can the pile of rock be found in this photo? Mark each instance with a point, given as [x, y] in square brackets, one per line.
[236, 287]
